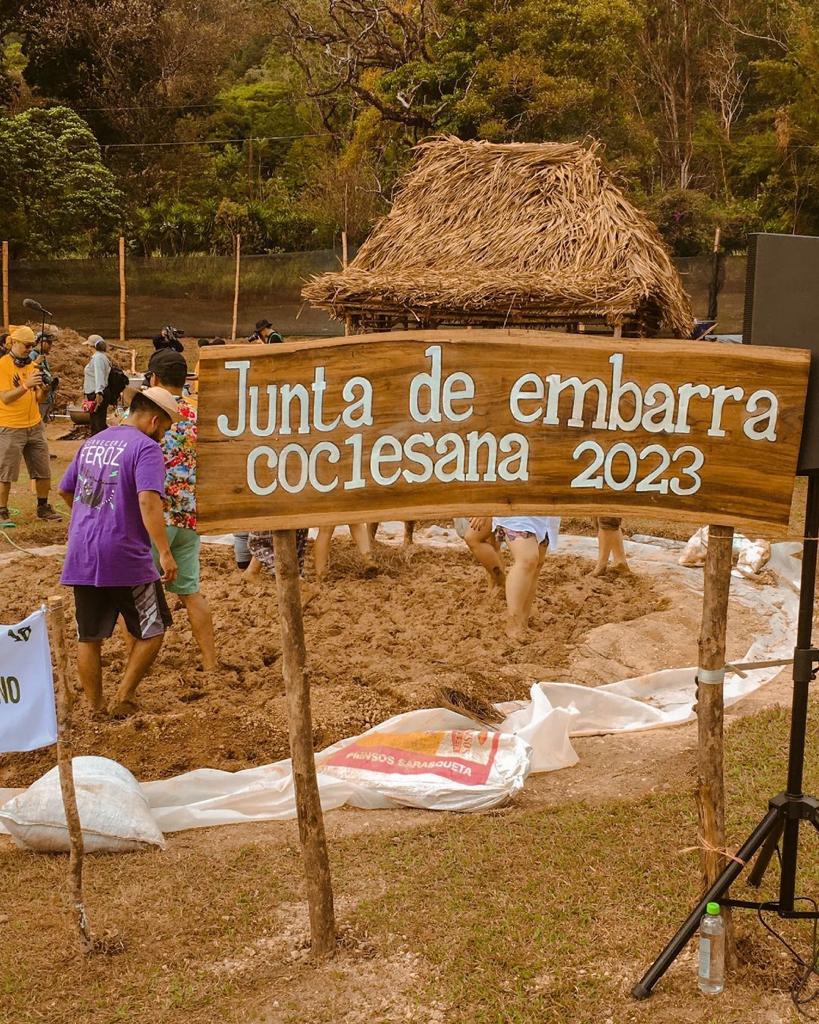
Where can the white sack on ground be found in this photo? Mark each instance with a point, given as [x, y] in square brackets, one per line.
[113, 811]
[465, 770]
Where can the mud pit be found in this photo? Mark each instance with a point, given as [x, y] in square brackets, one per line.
[376, 647]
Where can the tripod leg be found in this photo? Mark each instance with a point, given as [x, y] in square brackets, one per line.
[765, 854]
[644, 986]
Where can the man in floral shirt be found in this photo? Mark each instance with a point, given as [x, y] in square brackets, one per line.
[168, 369]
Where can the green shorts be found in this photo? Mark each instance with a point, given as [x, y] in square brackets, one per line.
[185, 550]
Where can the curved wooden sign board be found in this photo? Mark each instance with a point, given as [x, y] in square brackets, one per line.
[422, 424]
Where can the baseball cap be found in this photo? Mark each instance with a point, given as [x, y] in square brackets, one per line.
[165, 359]
[94, 340]
[164, 399]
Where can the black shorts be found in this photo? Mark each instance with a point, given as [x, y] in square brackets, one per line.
[143, 608]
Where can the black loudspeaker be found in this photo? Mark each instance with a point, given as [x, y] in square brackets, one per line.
[782, 308]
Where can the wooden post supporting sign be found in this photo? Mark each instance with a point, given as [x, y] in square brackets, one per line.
[308, 801]
[710, 706]
[56, 628]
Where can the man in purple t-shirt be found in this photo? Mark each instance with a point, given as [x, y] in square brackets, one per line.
[115, 488]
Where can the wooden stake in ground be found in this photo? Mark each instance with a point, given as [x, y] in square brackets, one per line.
[56, 627]
[122, 291]
[710, 706]
[308, 803]
[236, 288]
[5, 286]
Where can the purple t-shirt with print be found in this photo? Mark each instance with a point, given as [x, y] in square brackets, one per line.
[108, 545]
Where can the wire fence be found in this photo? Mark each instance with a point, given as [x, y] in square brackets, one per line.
[196, 293]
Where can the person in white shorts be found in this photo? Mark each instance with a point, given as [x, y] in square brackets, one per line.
[528, 538]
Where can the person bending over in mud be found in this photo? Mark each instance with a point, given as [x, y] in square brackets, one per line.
[528, 538]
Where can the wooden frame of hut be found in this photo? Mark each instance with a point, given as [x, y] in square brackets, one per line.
[513, 235]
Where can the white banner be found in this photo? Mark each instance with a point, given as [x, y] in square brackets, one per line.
[28, 719]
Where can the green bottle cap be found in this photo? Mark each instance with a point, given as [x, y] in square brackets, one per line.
[713, 909]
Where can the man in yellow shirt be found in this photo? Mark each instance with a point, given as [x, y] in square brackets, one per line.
[22, 433]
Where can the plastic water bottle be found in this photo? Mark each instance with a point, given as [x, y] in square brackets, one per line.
[712, 952]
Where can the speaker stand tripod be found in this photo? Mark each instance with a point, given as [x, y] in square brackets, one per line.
[787, 809]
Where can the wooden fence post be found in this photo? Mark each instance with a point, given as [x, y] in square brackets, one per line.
[308, 801]
[122, 291]
[56, 626]
[710, 708]
[5, 286]
[236, 288]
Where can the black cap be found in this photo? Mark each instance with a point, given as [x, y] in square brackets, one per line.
[262, 324]
[169, 366]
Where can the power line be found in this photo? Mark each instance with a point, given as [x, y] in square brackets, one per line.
[217, 142]
[151, 106]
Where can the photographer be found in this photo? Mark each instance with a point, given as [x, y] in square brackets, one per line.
[22, 434]
[42, 349]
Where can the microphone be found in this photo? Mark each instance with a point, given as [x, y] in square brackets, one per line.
[33, 304]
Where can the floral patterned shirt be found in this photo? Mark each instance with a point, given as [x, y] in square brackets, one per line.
[179, 451]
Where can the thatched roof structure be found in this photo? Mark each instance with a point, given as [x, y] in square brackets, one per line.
[509, 235]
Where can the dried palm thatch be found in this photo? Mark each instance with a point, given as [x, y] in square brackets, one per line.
[509, 234]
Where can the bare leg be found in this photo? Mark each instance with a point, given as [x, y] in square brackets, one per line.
[143, 654]
[372, 529]
[41, 488]
[361, 536]
[5, 491]
[533, 591]
[89, 669]
[610, 544]
[521, 581]
[618, 551]
[481, 543]
[202, 628]
[409, 532]
[321, 550]
[253, 569]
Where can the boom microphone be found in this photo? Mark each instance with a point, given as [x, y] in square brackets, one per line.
[33, 304]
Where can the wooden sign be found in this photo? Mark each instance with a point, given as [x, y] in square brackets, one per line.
[422, 424]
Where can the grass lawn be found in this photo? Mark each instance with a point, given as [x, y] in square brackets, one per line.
[542, 916]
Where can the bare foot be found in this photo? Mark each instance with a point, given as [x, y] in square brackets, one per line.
[621, 569]
[515, 629]
[123, 709]
[309, 592]
[599, 569]
[99, 714]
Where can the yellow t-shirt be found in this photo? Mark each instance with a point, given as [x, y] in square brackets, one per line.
[24, 411]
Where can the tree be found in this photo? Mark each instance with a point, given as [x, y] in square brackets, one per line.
[56, 197]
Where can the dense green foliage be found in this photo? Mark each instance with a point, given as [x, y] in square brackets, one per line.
[56, 196]
[289, 119]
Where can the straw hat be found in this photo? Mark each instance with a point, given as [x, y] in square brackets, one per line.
[164, 399]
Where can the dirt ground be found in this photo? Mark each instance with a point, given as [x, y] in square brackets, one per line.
[377, 646]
